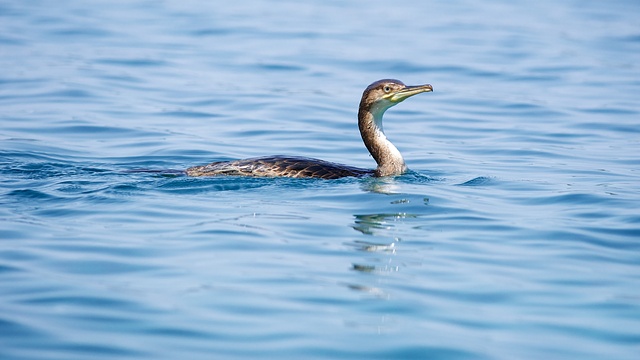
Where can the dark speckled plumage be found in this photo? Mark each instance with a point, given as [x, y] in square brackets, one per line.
[376, 99]
[272, 166]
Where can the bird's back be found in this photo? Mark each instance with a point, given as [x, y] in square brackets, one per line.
[279, 166]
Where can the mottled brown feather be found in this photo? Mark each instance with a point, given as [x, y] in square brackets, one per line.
[271, 166]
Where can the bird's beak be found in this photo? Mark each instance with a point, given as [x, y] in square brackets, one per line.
[409, 91]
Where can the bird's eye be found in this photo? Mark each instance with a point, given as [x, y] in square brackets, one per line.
[386, 88]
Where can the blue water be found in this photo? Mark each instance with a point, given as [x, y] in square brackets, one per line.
[516, 235]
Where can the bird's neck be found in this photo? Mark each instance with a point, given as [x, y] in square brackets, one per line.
[386, 155]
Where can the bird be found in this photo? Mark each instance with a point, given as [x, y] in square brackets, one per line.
[376, 99]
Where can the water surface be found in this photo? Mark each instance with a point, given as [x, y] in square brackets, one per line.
[514, 236]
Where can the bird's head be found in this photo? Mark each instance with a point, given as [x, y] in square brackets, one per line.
[383, 94]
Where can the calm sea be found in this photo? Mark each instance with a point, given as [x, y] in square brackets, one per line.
[516, 235]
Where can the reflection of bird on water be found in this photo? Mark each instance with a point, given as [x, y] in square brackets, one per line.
[376, 99]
